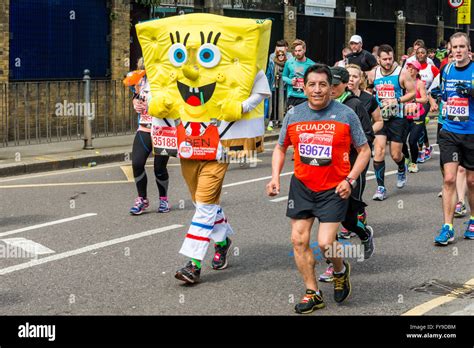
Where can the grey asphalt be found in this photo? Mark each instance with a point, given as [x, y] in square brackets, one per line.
[137, 276]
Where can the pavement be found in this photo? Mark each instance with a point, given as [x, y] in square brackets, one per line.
[27, 159]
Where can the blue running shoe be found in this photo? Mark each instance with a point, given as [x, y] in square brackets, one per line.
[380, 194]
[402, 178]
[469, 234]
[164, 205]
[428, 152]
[140, 205]
[446, 236]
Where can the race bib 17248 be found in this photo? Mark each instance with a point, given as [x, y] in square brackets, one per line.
[457, 109]
[315, 149]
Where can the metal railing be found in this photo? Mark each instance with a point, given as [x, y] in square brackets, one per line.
[189, 3]
[53, 111]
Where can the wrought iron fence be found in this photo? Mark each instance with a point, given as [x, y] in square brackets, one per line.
[53, 111]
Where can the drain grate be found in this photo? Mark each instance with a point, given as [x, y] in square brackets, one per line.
[439, 287]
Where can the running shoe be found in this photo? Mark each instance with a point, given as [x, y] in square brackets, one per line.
[270, 126]
[139, 206]
[164, 206]
[402, 178]
[189, 274]
[380, 194]
[342, 284]
[421, 157]
[345, 233]
[368, 244]
[445, 236]
[469, 234]
[428, 151]
[327, 276]
[362, 218]
[220, 257]
[413, 168]
[460, 210]
[440, 194]
[310, 302]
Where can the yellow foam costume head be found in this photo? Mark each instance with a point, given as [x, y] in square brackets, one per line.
[196, 62]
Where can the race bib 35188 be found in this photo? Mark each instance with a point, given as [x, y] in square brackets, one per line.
[165, 140]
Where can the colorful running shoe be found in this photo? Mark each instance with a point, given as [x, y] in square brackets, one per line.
[342, 284]
[428, 152]
[220, 257]
[345, 233]
[189, 274]
[368, 244]
[164, 205]
[445, 236]
[469, 234]
[380, 194]
[460, 210]
[402, 178]
[139, 206]
[310, 302]
[413, 168]
[327, 276]
[421, 157]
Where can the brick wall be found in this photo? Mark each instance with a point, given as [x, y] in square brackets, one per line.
[351, 26]
[4, 39]
[289, 24]
[400, 38]
[120, 38]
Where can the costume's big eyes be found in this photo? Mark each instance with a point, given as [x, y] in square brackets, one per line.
[178, 54]
[209, 55]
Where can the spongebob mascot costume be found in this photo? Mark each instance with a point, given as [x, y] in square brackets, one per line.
[206, 74]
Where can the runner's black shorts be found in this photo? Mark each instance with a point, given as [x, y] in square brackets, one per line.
[454, 147]
[304, 203]
[293, 101]
[395, 129]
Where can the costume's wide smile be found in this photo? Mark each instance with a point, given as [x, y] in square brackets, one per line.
[196, 96]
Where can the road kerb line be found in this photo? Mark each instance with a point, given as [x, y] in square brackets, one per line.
[34, 227]
[86, 249]
[436, 302]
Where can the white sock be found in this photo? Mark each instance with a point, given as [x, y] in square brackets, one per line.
[343, 270]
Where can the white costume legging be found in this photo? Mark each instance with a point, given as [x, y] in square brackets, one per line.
[209, 222]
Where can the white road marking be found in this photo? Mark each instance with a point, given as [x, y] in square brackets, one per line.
[254, 180]
[86, 249]
[28, 246]
[280, 199]
[436, 152]
[370, 172]
[29, 228]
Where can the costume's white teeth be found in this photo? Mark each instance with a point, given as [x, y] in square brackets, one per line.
[196, 90]
[190, 89]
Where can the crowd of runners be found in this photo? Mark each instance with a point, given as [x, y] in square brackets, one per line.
[336, 118]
